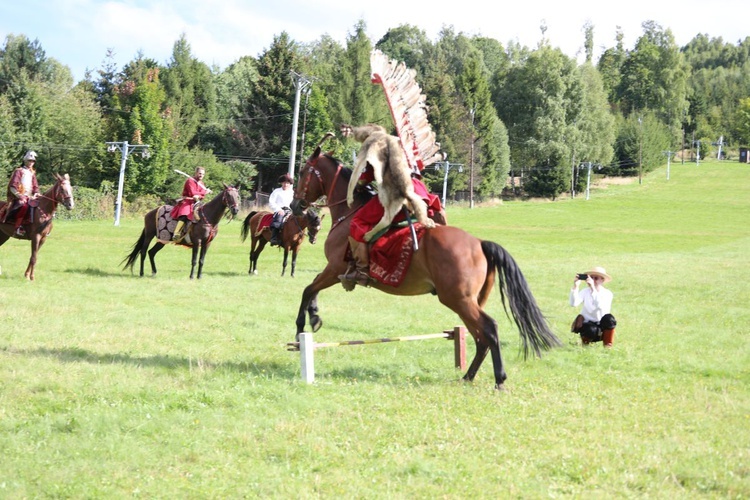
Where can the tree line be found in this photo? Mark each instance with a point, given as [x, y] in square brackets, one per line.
[521, 120]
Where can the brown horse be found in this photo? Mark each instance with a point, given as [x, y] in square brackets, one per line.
[457, 267]
[159, 224]
[292, 235]
[42, 211]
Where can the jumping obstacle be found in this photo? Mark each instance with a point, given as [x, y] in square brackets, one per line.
[306, 346]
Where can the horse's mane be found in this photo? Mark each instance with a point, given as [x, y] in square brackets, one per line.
[361, 195]
[312, 216]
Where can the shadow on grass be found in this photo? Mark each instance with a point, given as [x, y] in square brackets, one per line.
[76, 355]
[91, 271]
[126, 273]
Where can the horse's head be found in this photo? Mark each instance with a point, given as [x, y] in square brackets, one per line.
[64, 191]
[311, 185]
[230, 197]
[314, 222]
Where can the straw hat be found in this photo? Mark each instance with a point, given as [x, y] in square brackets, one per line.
[600, 271]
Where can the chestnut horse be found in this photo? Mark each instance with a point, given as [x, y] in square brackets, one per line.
[158, 224]
[292, 235]
[457, 267]
[43, 210]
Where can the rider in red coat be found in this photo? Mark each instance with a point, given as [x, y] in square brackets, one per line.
[366, 218]
[193, 190]
[22, 187]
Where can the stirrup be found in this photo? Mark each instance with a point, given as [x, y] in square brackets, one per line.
[355, 277]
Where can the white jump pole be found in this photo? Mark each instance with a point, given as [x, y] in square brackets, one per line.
[307, 357]
[307, 346]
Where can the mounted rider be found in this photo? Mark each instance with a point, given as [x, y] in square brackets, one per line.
[279, 202]
[22, 188]
[192, 191]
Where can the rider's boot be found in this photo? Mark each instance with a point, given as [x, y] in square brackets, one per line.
[275, 237]
[358, 272]
[177, 236]
[608, 337]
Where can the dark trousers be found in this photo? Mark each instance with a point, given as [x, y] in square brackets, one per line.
[591, 331]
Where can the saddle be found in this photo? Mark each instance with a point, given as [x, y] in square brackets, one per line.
[267, 220]
[391, 254]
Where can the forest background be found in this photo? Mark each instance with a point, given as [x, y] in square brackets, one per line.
[512, 120]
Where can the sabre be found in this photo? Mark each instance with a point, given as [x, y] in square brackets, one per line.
[189, 177]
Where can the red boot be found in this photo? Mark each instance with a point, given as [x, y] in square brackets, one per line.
[608, 337]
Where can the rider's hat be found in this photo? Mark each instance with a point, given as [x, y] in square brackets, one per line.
[30, 155]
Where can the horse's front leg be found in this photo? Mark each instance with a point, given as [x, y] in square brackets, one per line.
[294, 260]
[283, 266]
[309, 303]
[35, 244]
[194, 260]
[204, 249]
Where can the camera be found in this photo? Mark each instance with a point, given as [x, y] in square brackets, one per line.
[582, 276]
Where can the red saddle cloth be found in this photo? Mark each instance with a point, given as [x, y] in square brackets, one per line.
[391, 254]
[265, 222]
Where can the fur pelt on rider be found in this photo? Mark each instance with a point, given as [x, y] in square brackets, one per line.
[392, 173]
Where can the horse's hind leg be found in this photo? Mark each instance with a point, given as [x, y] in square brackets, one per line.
[254, 254]
[484, 330]
[252, 257]
[151, 256]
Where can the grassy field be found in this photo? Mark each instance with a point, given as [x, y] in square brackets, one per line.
[116, 386]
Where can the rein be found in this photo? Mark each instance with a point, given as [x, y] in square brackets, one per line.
[312, 168]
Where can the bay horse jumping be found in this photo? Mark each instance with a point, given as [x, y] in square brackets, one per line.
[43, 210]
[292, 235]
[160, 225]
[452, 264]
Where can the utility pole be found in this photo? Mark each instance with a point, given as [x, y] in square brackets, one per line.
[669, 157]
[125, 150]
[304, 128]
[720, 144]
[682, 151]
[447, 165]
[300, 83]
[698, 154]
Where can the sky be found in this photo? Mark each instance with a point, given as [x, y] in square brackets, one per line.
[78, 33]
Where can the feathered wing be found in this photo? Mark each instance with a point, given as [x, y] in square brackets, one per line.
[408, 108]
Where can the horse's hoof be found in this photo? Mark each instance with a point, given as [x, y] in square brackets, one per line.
[316, 325]
[500, 387]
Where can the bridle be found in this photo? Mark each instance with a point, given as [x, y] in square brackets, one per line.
[312, 168]
[56, 197]
[229, 201]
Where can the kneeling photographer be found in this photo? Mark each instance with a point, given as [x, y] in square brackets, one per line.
[595, 323]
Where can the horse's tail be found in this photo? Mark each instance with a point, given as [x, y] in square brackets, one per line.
[245, 229]
[531, 323]
[130, 259]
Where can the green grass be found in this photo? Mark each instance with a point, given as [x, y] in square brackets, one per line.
[116, 386]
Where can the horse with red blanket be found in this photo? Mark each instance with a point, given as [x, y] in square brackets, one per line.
[292, 235]
[457, 267]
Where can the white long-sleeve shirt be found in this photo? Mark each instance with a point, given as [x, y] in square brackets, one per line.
[280, 198]
[595, 303]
